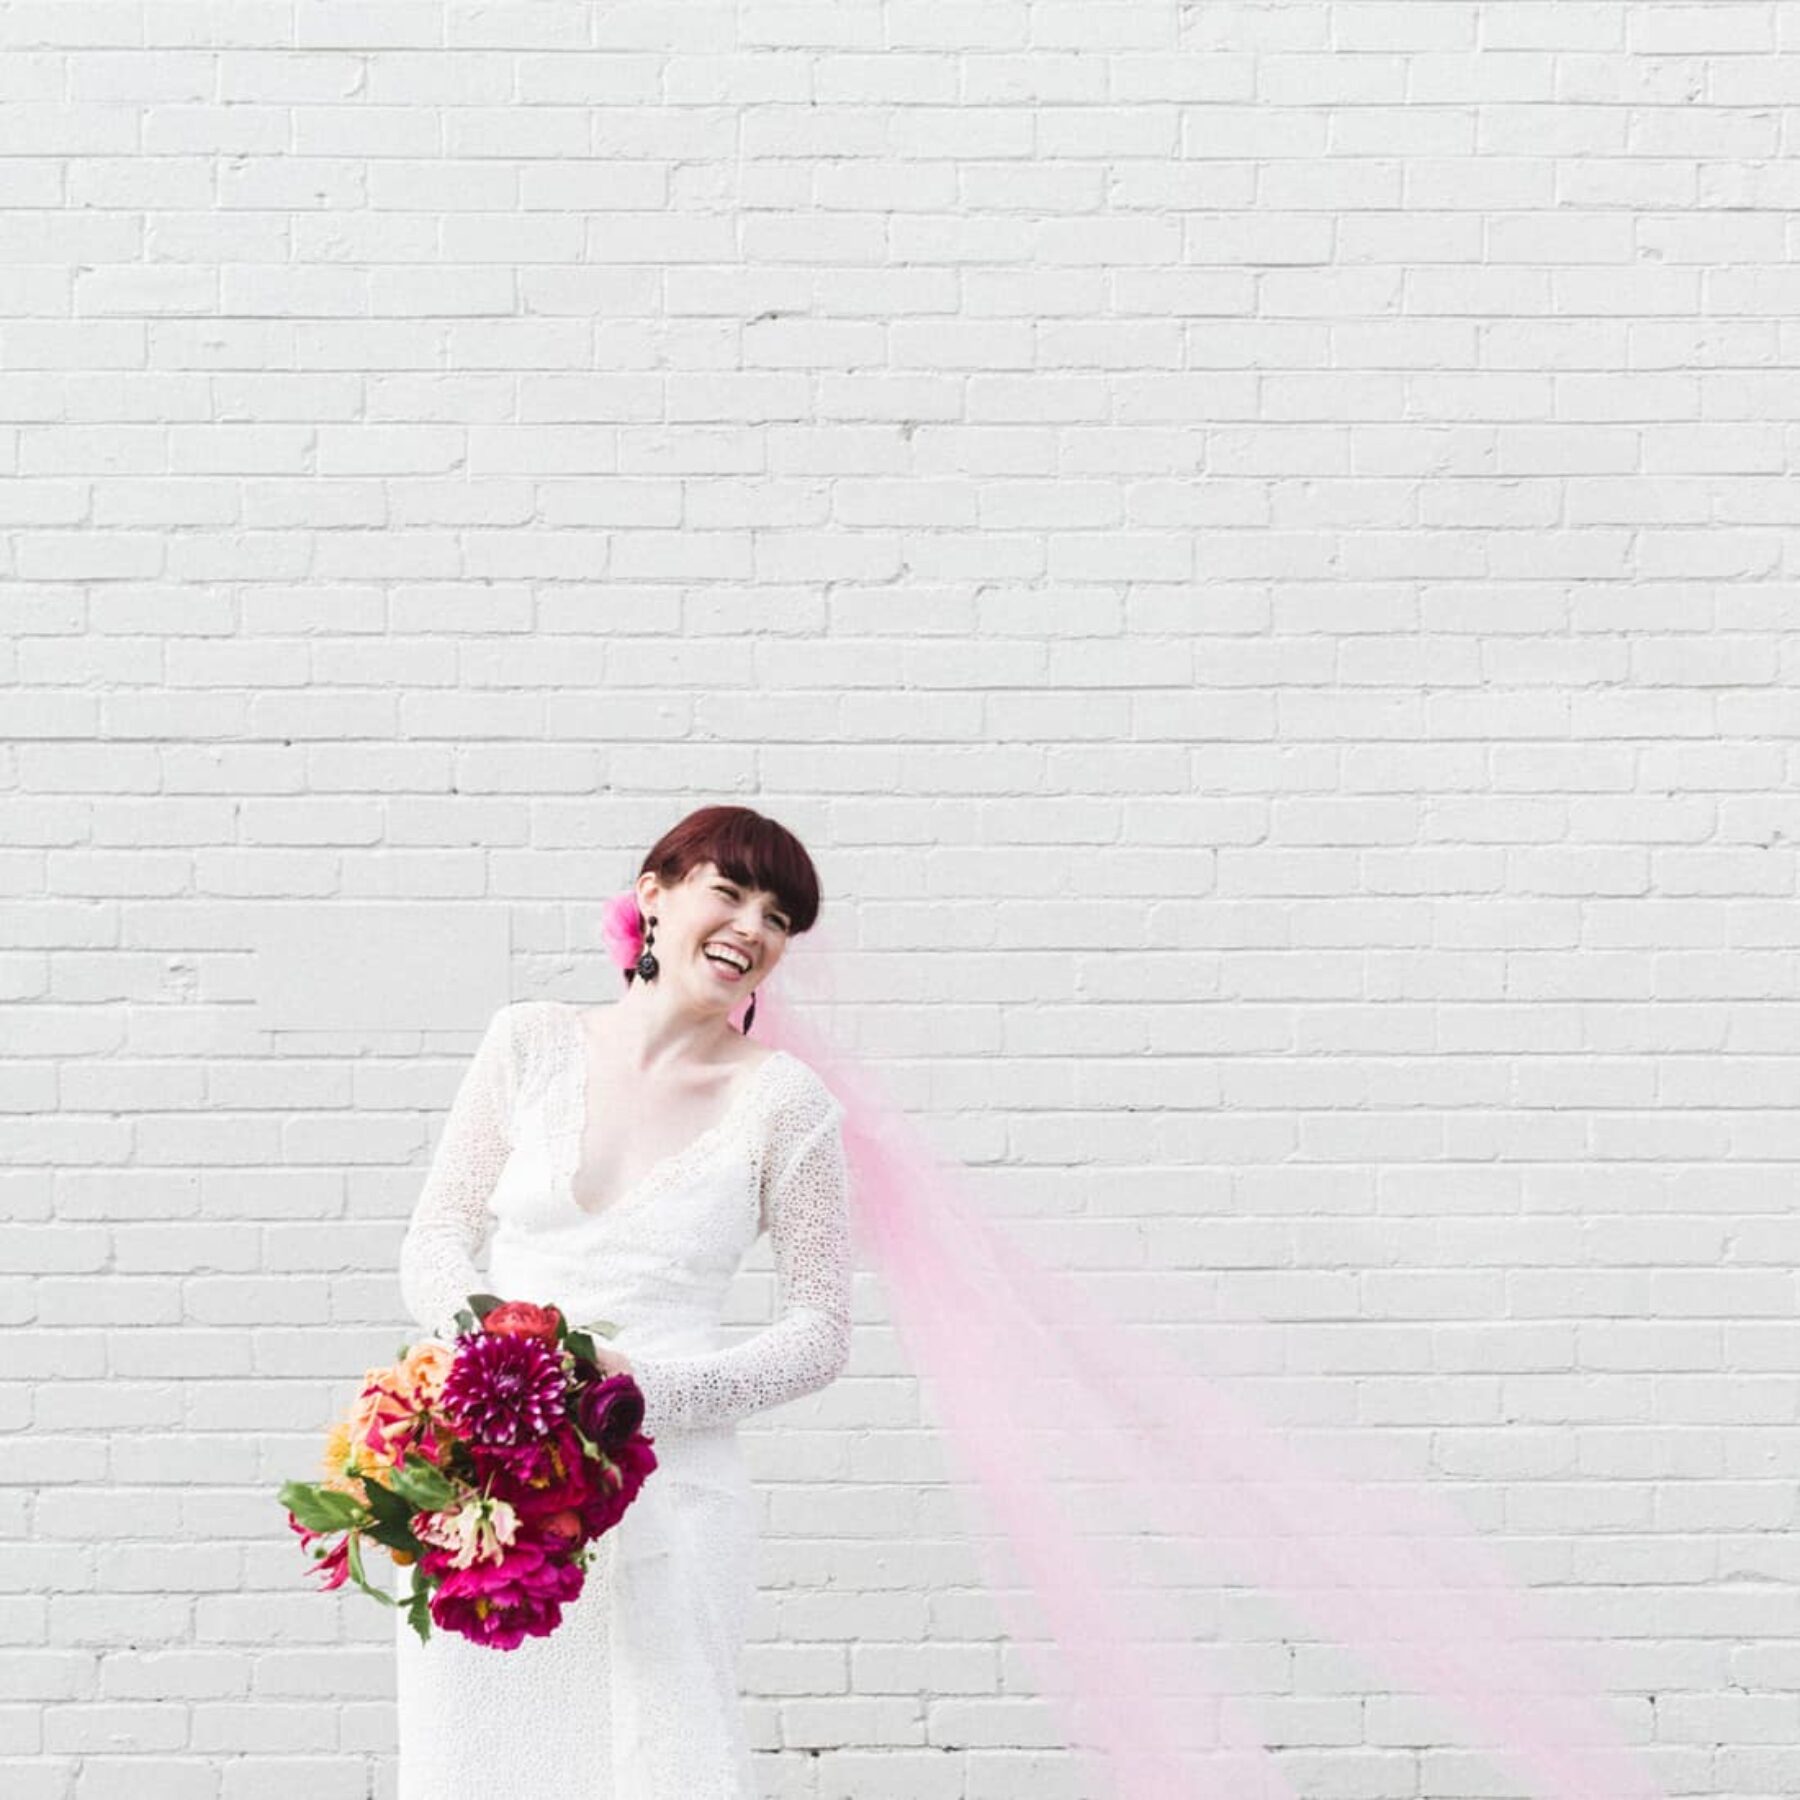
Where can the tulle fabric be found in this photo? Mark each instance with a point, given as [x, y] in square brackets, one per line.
[1117, 1493]
[1117, 1490]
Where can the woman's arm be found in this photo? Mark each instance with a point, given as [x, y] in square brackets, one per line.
[809, 1343]
[450, 1220]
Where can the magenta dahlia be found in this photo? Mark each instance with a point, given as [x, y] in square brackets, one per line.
[504, 1389]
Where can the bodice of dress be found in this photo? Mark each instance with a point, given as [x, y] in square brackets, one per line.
[657, 1261]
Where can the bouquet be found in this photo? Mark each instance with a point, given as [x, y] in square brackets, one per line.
[489, 1466]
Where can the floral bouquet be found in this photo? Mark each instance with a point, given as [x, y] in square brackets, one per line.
[490, 1465]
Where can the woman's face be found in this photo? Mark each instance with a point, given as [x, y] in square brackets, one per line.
[708, 908]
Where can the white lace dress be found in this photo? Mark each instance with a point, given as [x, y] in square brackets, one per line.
[635, 1695]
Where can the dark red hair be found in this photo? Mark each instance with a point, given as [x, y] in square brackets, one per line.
[746, 848]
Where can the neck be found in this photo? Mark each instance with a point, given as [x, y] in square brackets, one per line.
[653, 1025]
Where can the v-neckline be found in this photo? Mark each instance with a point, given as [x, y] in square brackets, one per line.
[663, 1167]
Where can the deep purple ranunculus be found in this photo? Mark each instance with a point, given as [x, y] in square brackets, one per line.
[499, 1605]
[610, 1410]
[504, 1389]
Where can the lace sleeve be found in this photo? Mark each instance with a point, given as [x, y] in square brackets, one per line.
[809, 1343]
[450, 1221]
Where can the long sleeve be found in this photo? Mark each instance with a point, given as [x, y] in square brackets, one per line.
[808, 1345]
[449, 1221]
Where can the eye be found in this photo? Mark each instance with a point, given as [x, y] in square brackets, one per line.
[722, 887]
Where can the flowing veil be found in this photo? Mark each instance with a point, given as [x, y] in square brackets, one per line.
[1121, 1496]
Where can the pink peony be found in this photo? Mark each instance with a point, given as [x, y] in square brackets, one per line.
[499, 1605]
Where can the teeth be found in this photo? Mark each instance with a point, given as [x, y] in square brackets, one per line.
[719, 953]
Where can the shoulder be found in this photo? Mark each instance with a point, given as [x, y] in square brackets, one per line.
[524, 1031]
[518, 1019]
[798, 1099]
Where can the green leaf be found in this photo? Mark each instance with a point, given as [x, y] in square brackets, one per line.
[396, 1537]
[361, 1580]
[418, 1609]
[322, 1508]
[483, 1304]
[424, 1487]
[387, 1506]
[605, 1327]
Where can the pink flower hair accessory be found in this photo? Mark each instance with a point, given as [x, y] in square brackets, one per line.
[622, 925]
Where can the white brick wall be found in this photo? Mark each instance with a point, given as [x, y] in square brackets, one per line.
[1256, 541]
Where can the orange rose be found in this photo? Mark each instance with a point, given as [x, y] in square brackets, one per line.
[423, 1369]
[519, 1318]
[564, 1526]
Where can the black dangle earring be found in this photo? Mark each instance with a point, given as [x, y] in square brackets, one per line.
[647, 964]
[750, 1016]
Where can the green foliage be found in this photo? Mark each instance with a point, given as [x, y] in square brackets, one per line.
[418, 1610]
[393, 1519]
[321, 1508]
[357, 1575]
[426, 1488]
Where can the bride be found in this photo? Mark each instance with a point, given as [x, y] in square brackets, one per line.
[618, 1161]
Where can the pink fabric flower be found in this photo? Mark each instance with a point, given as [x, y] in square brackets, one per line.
[622, 925]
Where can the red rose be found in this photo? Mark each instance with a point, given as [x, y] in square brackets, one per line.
[519, 1318]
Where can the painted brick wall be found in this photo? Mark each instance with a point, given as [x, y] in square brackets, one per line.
[1257, 543]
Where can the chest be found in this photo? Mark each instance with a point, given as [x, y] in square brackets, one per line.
[618, 1134]
[669, 1191]
[629, 1125]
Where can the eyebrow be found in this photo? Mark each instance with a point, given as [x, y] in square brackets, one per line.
[740, 888]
